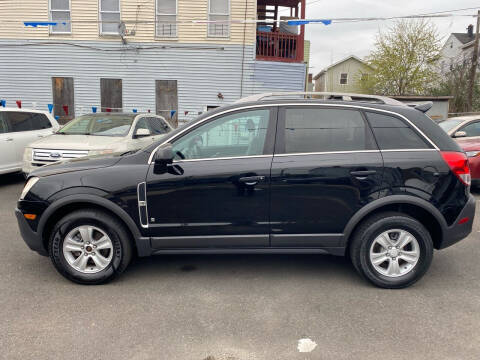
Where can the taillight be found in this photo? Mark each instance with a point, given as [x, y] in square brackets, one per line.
[458, 163]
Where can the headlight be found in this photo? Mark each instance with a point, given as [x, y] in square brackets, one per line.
[473, 153]
[27, 154]
[100, 152]
[28, 186]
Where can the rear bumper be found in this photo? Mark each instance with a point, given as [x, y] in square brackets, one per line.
[457, 232]
[31, 238]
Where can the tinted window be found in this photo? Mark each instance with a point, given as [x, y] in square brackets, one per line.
[392, 133]
[158, 126]
[23, 121]
[240, 134]
[472, 129]
[323, 130]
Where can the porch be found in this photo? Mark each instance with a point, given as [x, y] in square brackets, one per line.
[277, 41]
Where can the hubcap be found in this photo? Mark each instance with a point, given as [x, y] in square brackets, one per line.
[88, 249]
[394, 253]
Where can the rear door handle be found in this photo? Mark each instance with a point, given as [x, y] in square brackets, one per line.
[362, 174]
[251, 180]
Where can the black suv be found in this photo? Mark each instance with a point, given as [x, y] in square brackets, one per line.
[367, 178]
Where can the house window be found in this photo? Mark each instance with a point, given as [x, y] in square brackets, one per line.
[60, 13]
[219, 10]
[109, 17]
[166, 21]
[343, 79]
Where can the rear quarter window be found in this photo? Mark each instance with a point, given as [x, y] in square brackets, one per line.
[393, 133]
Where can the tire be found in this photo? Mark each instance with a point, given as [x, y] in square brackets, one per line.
[82, 264]
[368, 249]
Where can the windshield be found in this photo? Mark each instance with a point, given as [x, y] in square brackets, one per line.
[99, 125]
[449, 124]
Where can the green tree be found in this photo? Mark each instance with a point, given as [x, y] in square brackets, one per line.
[455, 83]
[403, 59]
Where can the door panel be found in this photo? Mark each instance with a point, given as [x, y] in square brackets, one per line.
[111, 94]
[317, 194]
[63, 95]
[326, 167]
[208, 200]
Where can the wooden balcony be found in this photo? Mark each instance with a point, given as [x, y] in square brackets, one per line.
[277, 46]
[279, 42]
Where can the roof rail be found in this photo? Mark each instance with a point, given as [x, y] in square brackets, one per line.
[325, 95]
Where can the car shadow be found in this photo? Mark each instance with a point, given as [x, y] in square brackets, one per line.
[217, 267]
[12, 179]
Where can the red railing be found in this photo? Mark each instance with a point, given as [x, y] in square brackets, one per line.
[276, 46]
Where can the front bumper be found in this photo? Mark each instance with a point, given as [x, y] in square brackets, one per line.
[457, 232]
[31, 238]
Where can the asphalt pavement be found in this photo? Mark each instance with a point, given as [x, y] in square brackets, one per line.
[235, 307]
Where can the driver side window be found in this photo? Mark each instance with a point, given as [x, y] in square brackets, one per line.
[472, 129]
[239, 134]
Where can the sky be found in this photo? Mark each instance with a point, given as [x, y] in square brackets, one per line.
[336, 41]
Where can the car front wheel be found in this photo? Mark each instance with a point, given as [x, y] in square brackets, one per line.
[90, 247]
[392, 250]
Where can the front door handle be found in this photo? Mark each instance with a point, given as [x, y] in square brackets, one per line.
[251, 180]
[362, 174]
[9, 139]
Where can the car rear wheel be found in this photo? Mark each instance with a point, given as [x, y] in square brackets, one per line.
[90, 247]
[391, 250]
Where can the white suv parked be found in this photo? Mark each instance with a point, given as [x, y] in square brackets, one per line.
[94, 134]
[18, 128]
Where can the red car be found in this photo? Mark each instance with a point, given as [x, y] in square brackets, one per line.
[472, 148]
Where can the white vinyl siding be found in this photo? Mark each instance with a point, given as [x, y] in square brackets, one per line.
[219, 10]
[60, 13]
[109, 13]
[166, 18]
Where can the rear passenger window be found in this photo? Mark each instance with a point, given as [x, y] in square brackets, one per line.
[25, 121]
[392, 133]
[325, 130]
[40, 121]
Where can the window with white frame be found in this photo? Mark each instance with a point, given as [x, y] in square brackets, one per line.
[219, 10]
[166, 18]
[343, 79]
[109, 16]
[60, 13]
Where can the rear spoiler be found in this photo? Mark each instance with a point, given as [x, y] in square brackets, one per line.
[423, 107]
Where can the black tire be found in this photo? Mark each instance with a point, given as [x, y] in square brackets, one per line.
[122, 246]
[374, 226]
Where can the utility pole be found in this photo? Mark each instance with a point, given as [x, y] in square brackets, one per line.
[473, 70]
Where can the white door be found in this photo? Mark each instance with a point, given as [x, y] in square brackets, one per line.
[7, 159]
[25, 128]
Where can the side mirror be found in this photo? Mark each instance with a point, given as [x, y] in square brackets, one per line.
[142, 133]
[459, 134]
[163, 157]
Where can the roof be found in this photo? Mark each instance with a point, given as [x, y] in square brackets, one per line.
[24, 110]
[339, 62]
[464, 38]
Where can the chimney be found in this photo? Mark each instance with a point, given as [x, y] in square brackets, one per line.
[470, 30]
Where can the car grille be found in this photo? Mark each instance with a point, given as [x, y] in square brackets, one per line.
[47, 156]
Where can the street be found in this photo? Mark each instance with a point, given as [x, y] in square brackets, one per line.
[234, 307]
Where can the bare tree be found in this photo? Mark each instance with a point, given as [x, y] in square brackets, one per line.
[403, 59]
